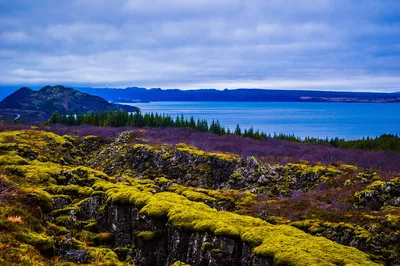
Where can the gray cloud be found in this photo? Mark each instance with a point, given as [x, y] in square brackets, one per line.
[302, 44]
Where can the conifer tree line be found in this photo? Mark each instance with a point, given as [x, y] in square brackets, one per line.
[120, 118]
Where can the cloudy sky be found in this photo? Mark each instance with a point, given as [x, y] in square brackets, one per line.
[293, 44]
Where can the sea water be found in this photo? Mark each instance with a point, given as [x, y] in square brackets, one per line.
[343, 120]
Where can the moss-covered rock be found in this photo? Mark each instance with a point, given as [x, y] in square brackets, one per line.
[156, 205]
[378, 194]
[189, 166]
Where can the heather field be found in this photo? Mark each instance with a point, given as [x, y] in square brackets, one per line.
[270, 150]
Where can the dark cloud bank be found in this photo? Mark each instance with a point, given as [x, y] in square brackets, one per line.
[302, 44]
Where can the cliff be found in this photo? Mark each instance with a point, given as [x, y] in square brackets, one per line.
[67, 200]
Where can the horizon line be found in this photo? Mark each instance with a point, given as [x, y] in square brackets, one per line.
[36, 86]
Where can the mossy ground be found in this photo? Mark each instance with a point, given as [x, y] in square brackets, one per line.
[33, 164]
[42, 170]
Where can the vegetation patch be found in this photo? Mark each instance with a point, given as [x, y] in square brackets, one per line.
[147, 235]
[269, 240]
[47, 203]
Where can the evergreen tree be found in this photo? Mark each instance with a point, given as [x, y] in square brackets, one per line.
[238, 131]
[120, 118]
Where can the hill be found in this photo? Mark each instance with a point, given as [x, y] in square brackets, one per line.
[51, 99]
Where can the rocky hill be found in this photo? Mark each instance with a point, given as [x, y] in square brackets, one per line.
[68, 200]
[51, 99]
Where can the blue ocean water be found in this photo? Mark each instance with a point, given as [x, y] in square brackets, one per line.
[344, 120]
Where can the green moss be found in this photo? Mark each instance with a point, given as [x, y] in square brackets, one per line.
[104, 186]
[64, 197]
[277, 220]
[197, 196]
[348, 167]
[38, 172]
[393, 220]
[54, 230]
[40, 138]
[12, 160]
[72, 190]
[205, 246]
[24, 240]
[103, 238]
[317, 226]
[192, 150]
[39, 145]
[376, 184]
[286, 244]
[248, 199]
[235, 177]
[166, 155]
[227, 230]
[128, 195]
[206, 168]
[364, 177]
[322, 170]
[162, 180]
[96, 239]
[123, 250]
[178, 263]
[63, 220]
[61, 230]
[379, 193]
[216, 251]
[91, 225]
[42, 242]
[21, 254]
[39, 197]
[191, 193]
[89, 173]
[147, 235]
[291, 246]
[104, 257]
[65, 210]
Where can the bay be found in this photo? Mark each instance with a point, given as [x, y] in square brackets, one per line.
[343, 120]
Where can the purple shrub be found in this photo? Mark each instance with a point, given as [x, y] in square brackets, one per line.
[270, 150]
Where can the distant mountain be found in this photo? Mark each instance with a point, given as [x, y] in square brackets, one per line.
[51, 99]
[137, 94]
[240, 95]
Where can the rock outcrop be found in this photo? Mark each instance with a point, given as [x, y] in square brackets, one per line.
[378, 194]
[189, 166]
[164, 205]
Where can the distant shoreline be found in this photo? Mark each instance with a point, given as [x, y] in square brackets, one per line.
[238, 101]
[139, 95]
[135, 94]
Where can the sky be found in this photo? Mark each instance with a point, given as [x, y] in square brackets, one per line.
[346, 45]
